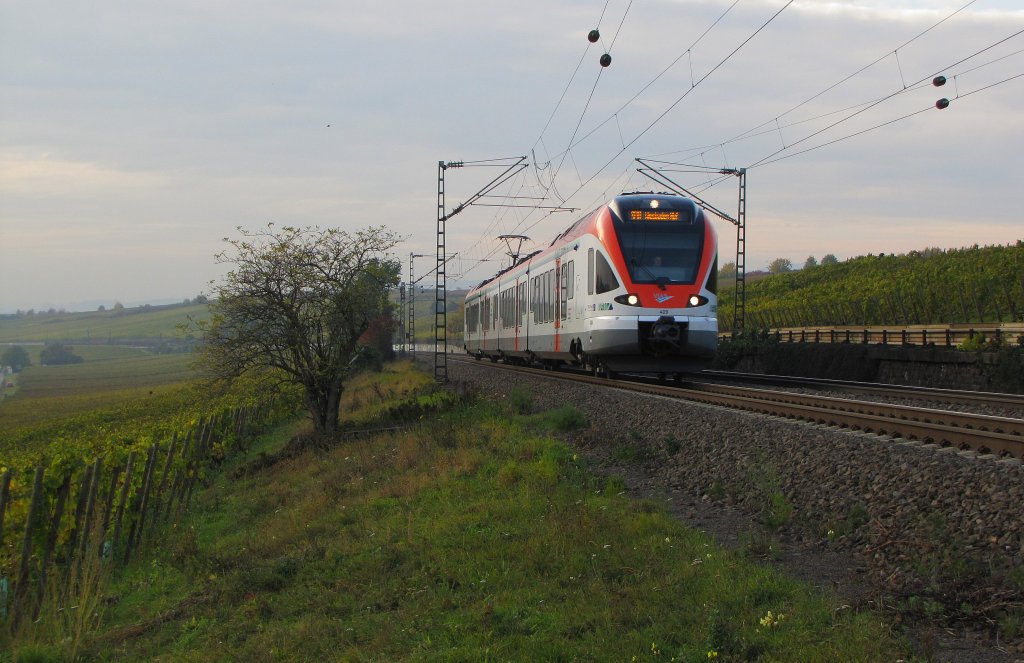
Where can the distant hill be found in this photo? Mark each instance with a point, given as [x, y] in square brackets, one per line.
[424, 313]
[933, 286]
[153, 325]
[146, 325]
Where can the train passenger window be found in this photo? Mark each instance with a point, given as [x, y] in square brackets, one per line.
[604, 277]
[563, 299]
[551, 295]
[535, 299]
[544, 297]
[572, 279]
[522, 301]
[590, 271]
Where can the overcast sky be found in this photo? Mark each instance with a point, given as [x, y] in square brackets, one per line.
[135, 135]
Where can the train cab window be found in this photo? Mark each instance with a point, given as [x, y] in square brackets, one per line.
[604, 277]
[713, 277]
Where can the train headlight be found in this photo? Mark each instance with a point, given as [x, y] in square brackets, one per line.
[629, 300]
[696, 300]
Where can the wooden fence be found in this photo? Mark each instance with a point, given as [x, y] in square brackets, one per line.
[946, 336]
[102, 511]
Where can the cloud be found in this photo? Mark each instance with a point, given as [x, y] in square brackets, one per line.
[155, 130]
[30, 175]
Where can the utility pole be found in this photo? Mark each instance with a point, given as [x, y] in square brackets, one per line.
[410, 332]
[401, 319]
[440, 282]
[440, 286]
[740, 221]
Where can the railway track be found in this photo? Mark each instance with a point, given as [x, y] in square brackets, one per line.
[984, 434]
[885, 390]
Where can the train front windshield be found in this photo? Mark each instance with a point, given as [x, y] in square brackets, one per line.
[661, 246]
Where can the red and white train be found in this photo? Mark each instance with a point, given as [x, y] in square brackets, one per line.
[630, 287]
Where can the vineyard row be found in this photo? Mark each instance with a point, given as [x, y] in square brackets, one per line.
[113, 509]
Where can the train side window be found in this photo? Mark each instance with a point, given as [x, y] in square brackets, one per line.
[534, 298]
[572, 279]
[604, 277]
[544, 297]
[590, 271]
[713, 277]
[508, 313]
[522, 301]
[563, 300]
[551, 295]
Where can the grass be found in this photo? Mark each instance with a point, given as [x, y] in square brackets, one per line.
[463, 533]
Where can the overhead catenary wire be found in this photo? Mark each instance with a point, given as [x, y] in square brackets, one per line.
[766, 159]
[792, 147]
[708, 74]
[856, 73]
[551, 185]
[688, 52]
[660, 117]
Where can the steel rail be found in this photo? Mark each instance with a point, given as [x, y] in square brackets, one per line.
[899, 391]
[988, 434]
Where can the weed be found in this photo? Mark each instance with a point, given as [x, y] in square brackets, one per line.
[566, 419]
[758, 545]
[1011, 623]
[509, 474]
[614, 486]
[71, 609]
[521, 399]
[779, 510]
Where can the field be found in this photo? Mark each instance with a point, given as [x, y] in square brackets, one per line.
[463, 532]
[145, 322]
[110, 375]
[118, 394]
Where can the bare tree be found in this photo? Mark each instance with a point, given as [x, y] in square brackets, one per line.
[295, 303]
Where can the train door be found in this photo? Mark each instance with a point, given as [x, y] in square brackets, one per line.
[557, 303]
[520, 295]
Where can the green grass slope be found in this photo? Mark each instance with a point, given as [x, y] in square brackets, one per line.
[464, 532]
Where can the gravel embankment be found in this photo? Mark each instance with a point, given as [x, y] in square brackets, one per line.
[936, 531]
